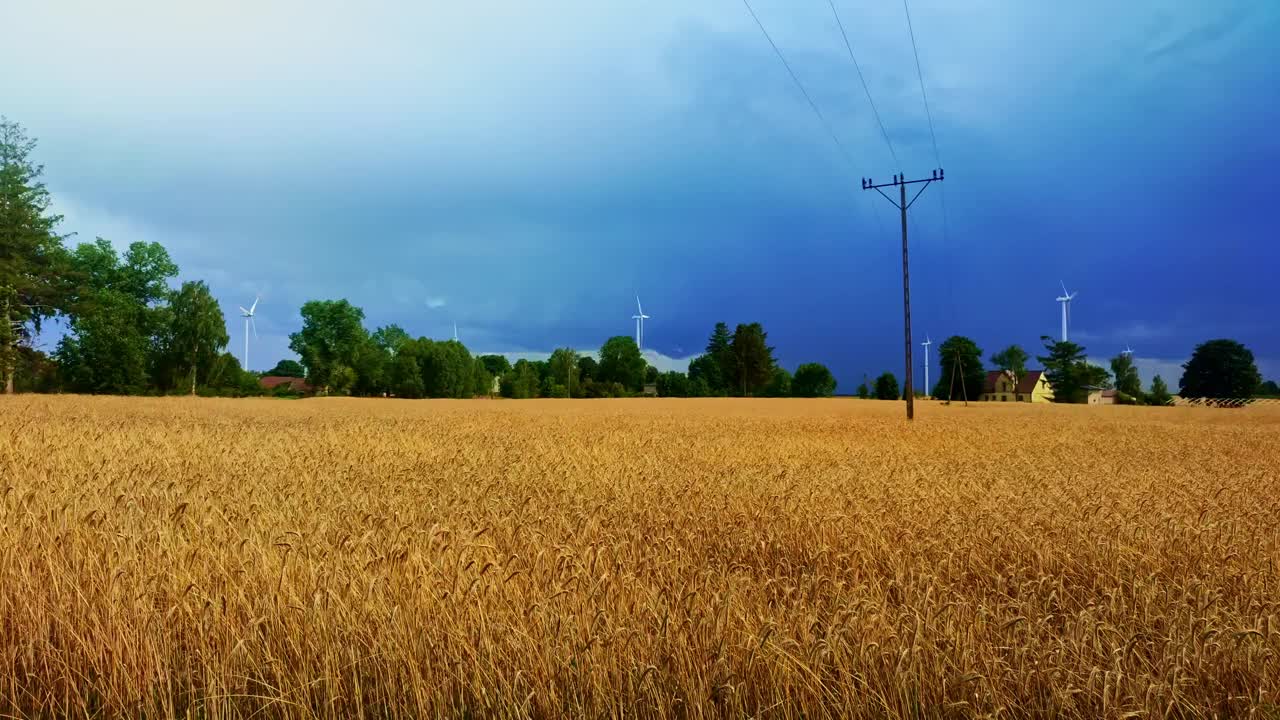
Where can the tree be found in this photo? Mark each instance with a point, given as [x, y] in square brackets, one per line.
[587, 368]
[497, 365]
[780, 384]
[752, 358]
[887, 387]
[521, 381]
[198, 330]
[1159, 394]
[1014, 359]
[330, 337]
[447, 369]
[1220, 369]
[1269, 389]
[961, 375]
[482, 379]
[390, 338]
[704, 377]
[106, 350]
[721, 368]
[32, 258]
[864, 392]
[370, 363]
[1067, 371]
[563, 370]
[813, 380]
[673, 384]
[288, 368]
[405, 376]
[620, 362]
[1126, 377]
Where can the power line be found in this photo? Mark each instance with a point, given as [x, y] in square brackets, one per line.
[830, 131]
[920, 75]
[849, 46]
[946, 232]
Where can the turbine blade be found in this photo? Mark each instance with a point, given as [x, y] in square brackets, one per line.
[242, 310]
[253, 325]
[254, 306]
[1064, 288]
[638, 305]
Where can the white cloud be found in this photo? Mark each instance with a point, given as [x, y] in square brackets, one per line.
[435, 303]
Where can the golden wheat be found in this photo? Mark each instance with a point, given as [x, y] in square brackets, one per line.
[346, 558]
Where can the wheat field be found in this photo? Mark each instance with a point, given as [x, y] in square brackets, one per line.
[208, 558]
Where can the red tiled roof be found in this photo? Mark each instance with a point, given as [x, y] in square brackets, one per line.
[271, 382]
[1026, 385]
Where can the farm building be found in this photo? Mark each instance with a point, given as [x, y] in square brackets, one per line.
[272, 382]
[1099, 396]
[1003, 386]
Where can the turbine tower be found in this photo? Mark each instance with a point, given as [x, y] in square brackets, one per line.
[248, 321]
[455, 332]
[1065, 299]
[927, 342]
[639, 317]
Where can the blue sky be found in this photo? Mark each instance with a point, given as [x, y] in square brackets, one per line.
[524, 169]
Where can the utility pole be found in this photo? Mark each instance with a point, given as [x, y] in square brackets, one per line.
[902, 182]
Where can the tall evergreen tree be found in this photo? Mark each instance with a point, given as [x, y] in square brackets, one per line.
[1159, 394]
[752, 358]
[1068, 372]
[32, 258]
[1126, 377]
[721, 372]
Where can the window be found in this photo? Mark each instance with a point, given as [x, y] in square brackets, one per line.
[1004, 398]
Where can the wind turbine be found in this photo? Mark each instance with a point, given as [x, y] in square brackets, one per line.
[248, 321]
[1127, 350]
[1065, 299]
[455, 332]
[927, 342]
[639, 317]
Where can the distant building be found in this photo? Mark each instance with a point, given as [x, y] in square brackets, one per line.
[1099, 396]
[1002, 386]
[496, 388]
[298, 385]
[651, 389]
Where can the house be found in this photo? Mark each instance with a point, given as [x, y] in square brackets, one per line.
[650, 390]
[1099, 396]
[298, 385]
[1003, 386]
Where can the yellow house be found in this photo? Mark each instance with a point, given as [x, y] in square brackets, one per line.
[1002, 386]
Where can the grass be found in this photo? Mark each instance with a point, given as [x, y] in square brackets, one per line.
[347, 558]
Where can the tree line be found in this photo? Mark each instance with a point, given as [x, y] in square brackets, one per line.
[1220, 368]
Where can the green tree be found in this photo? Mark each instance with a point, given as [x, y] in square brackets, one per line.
[887, 387]
[720, 372]
[497, 365]
[288, 368]
[620, 362]
[1014, 359]
[673, 384]
[813, 380]
[752, 358]
[1269, 389]
[198, 331]
[481, 378]
[1220, 369]
[705, 377]
[33, 267]
[405, 376]
[331, 335]
[106, 350]
[1159, 394]
[864, 392]
[1068, 372]
[371, 364]
[390, 338]
[521, 382]
[563, 370]
[780, 384]
[447, 371]
[961, 375]
[587, 368]
[1126, 377]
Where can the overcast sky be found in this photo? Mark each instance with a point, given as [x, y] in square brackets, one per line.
[525, 169]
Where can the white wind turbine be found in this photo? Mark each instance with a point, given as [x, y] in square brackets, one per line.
[455, 332]
[1127, 350]
[1066, 299]
[248, 321]
[927, 342]
[639, 317]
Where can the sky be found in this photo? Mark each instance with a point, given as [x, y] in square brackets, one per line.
[526, 169]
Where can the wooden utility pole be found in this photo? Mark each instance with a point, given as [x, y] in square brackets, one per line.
[901, 182]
